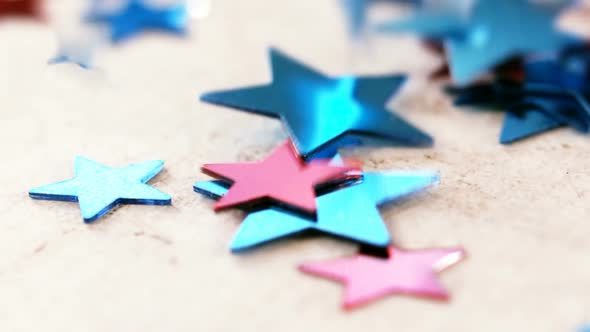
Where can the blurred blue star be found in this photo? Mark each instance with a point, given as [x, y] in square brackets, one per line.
[100, 188]
[491, 33]
[555, 93]
[585, 328]
[349, 213]
[317, 110]
[137, 17]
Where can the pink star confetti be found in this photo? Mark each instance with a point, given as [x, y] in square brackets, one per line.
[369, 278]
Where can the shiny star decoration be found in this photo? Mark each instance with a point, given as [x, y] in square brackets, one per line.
[317, 110]
[20, 8]
[350, 212]
[98, 188]
[137, 16]
[491, 34]
[282, 177]
[369, 278]
[553, 94]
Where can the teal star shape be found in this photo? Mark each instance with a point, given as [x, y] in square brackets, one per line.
[99, 188]
[351, 212]
[318, 111]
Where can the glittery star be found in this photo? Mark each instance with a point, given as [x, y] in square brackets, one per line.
[350, 213]
[318, 110]
[369, 278]
[23, 8]
[491, 34]
[137, 16]
[283, 177]
[100, 188]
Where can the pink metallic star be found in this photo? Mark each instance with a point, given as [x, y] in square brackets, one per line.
[282, 177]
[369, 278]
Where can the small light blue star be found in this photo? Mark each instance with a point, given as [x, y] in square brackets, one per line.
[100, 188]
[318, 111]
[491, 34]
[350, 213]
[136, 17]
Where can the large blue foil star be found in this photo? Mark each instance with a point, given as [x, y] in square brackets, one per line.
[137, 16]
[318, 110]
[99, 188]
[491, 34]
[350, 213]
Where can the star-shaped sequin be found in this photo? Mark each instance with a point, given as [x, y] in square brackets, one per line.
[282, 177]
[20, 8]
[317, 110]
[137, 16]
[369, 278]
[98, 188]
[491, 34]
[350, 212]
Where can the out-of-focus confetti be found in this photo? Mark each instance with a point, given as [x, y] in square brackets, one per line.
[553, 93]
[283, 177]
[349, 212]
[491, 34]
[98, 188]
[20, 8]
[368, 278]
[137, 16]
[318, 110]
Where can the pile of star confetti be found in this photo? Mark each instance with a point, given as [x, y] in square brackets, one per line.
[538, 75]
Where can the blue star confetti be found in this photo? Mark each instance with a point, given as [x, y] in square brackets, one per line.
[98, 188]
[491, 34]
[317, 110]
[554, 93]
[137, 16]
[350, 212]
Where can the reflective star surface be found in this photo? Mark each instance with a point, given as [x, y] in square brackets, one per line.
[317, 110]
[350, 212]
